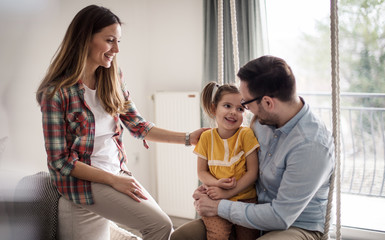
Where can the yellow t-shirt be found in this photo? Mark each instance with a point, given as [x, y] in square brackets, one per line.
[227, 157]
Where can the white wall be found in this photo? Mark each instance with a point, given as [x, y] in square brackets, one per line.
[161, 50]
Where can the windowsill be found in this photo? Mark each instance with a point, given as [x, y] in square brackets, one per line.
[359, 234]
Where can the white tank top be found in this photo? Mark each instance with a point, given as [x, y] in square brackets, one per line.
[105, 153]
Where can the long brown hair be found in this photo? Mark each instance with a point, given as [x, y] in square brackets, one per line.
[69, 62]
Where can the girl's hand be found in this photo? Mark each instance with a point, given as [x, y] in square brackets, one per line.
[217, 193]
[128, 185]
[227, 183]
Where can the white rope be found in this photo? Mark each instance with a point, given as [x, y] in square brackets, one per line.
[336, 177]
[220, 42]
[234, 32]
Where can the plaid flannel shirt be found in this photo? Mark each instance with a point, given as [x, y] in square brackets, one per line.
[69, 132]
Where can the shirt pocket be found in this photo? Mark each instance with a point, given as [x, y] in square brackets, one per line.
[77, 123]
[276, 176]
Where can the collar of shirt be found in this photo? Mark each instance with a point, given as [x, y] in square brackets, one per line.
[292, 122]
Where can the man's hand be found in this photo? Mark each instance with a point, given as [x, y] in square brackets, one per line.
[203, 204]
[201, 190]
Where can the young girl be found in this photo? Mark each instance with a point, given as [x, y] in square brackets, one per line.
[227, 157]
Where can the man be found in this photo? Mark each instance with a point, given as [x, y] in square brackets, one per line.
[296, 160]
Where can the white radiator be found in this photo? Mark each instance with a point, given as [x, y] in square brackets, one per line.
[176, 164]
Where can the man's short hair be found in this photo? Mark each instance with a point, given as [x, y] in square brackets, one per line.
[269, 76]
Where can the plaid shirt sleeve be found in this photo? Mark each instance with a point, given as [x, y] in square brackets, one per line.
[132, 119]
[55, 135]
[135, 123]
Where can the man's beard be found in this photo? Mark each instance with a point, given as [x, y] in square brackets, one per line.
[265, 118]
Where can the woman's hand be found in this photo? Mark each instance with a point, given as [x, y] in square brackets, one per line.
[127, 185]
[122, 183]
[194, 136]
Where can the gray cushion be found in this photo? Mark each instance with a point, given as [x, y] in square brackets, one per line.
[35, 210]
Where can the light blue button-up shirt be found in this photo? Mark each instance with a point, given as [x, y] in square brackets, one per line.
[295, 165]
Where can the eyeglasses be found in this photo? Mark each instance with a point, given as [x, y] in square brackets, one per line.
[244, 104]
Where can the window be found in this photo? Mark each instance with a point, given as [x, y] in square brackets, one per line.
[298, 31]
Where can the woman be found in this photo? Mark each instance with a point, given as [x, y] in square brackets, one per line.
[83, 101]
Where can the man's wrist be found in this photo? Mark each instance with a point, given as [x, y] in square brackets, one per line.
[223, 209]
